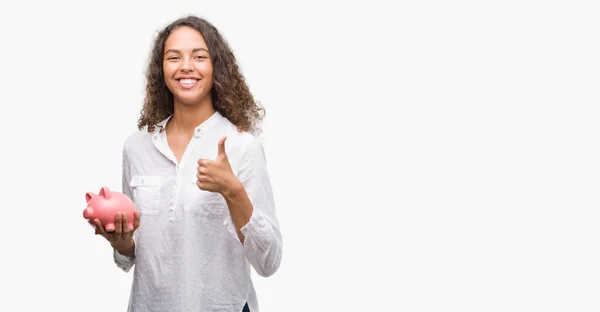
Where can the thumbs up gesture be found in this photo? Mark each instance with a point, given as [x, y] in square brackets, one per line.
[215, 175]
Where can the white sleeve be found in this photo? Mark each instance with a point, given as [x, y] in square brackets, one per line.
[263, 242]
[124, 262]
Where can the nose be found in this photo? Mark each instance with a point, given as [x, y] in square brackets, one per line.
[187, 65]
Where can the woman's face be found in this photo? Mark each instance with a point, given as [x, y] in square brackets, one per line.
[187, 66]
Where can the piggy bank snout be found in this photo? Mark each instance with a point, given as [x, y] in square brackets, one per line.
[88, 212]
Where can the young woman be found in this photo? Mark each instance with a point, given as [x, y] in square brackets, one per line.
[199, 180]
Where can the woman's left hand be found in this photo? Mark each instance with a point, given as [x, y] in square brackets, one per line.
[215, 175]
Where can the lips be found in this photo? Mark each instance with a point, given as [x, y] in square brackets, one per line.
[187, 83]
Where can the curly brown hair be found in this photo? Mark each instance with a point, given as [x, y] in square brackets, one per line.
[230, 94]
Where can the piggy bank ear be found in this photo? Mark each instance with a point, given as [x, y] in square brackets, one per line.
[89, 196]
[105, 192]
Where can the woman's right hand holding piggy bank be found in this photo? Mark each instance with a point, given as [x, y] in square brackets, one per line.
[121, 239]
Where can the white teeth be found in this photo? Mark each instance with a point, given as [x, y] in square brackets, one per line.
[188, 81]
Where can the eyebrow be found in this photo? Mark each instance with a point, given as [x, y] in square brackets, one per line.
[193, 51]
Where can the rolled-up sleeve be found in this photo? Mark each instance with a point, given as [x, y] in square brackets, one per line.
[123, 262]
[263, 242]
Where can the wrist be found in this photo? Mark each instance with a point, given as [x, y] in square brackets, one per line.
[233, 189]
[126, 249]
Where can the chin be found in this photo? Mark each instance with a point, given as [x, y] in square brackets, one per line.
[190, 100]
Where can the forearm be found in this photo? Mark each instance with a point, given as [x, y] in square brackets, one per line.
[263, 242]
[252, 211]
[128, 251]
[240, 206]
[124, 257]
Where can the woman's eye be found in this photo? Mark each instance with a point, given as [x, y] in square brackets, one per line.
[201, 57]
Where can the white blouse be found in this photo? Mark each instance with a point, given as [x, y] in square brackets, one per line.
[188, 256]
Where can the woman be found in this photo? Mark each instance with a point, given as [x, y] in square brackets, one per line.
[199, 180]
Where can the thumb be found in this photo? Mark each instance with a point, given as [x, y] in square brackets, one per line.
[222, 147]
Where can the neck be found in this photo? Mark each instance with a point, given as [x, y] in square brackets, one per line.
[187, 117]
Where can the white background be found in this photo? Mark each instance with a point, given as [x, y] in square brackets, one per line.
[431, 156]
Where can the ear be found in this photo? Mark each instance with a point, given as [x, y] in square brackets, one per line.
[89, 196]
[105, 192]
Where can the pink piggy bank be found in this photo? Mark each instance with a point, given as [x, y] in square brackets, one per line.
[105, 206]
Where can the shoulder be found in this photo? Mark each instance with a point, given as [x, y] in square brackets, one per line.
[241, 139]
[242, 144]
[252, 149]
[248, 142]
[137, 139]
